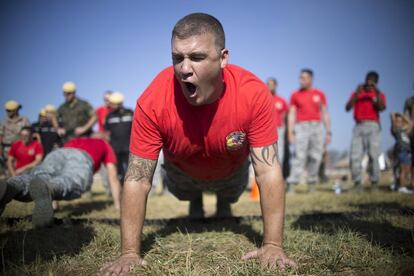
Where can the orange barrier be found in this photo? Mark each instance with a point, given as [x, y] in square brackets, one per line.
[254, 193]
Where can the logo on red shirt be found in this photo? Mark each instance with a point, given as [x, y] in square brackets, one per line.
[31, 152]
[316, 98]
[235, 140]
[279, 105]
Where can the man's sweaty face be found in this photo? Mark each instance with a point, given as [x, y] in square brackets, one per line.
[197, 67]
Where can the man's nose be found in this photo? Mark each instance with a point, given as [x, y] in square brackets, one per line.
[186, 70]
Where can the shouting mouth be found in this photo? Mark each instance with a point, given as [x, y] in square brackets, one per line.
[191, 88]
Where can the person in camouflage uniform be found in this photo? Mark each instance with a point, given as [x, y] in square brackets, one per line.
[308, 115]
[367, 102]
[76, 116]
[11, 126]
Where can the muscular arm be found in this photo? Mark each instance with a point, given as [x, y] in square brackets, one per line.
[350, 104]
[272, 192]
[134, 200]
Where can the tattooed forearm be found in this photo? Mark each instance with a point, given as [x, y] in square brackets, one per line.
[267, 155]
[140, 168]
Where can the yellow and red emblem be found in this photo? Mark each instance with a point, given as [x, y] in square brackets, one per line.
[235, 140]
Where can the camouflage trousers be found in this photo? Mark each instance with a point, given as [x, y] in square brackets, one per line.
[307, 152]
[281, 143]
[365, 139]
[68, 171]
[185, 187]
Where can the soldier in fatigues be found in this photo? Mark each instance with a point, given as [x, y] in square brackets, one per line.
[11, 126]
[308, 108]
[76, 116]
[367, 101]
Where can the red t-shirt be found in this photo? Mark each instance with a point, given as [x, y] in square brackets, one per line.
[206, 142]
[25, 154]
[281, 109]
[364, 109]
[308, 104]
[101, 113]
[98, 149]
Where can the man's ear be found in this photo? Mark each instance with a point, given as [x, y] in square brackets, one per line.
[224, 58]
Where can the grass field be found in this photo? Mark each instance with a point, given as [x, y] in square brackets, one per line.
[327, 234]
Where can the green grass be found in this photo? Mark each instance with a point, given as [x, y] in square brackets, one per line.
[327, 234]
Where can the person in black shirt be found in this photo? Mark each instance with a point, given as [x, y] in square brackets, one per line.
[46, 131]
[118, 124]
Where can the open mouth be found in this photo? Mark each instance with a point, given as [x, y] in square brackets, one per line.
[191, 88]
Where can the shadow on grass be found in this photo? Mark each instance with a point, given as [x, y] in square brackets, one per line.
[398, 240]
[185, 225]
[25, 247]
[83, 208]
[387, 207]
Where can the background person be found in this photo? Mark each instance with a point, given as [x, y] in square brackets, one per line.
[76, 116]
[401, 128]
[367, 102]
[103, 111]
[11, 126]
[307, 111]
[46, 129]
[281, 111]
[118, 124]
[65, 174]
[25, 154]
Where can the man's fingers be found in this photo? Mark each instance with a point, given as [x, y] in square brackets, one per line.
[291, 263]
[106, 265]
[281, 264]
[125, 269]
[250, 255]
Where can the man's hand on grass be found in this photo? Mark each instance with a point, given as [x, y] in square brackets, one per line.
[272, 257]
[122, 265]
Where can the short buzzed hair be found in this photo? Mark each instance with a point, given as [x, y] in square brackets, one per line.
[307, 71]
[197, 24]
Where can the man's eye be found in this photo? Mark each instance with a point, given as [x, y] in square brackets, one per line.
[177, 59]
[197, 58]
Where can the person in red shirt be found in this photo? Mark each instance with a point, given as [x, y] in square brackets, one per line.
[207, 117]
[281, 111]
[367, 102]
[24, 154]
[308, 109]
[103, 111]
[65, 173]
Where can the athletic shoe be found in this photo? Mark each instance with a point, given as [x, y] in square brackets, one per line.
[42, 197]
[196, 208]
[405, 190]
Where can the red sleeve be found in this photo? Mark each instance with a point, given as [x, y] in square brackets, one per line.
[12, 151]
[263, 126]
[110, 157]
[39, 149]
[146, 140]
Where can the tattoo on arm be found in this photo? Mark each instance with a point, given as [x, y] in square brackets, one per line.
[268, 155]
[140, 168]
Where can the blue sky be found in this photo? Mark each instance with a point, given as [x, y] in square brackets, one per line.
[122, 45]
